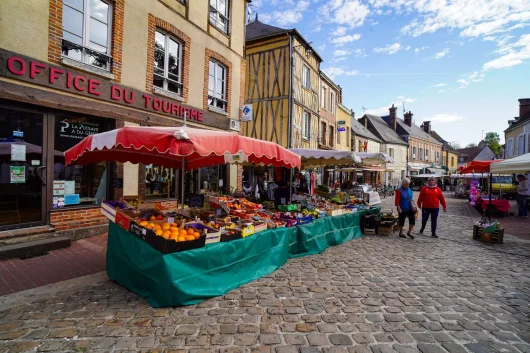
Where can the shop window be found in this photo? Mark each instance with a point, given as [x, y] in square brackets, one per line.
[219, 14]
[87, 31]
[79, 185]
[306, 125]
[217, 86]
[168, 63]
[159, 182]
[306, 77]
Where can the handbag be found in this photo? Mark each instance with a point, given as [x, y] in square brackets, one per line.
[413, 205]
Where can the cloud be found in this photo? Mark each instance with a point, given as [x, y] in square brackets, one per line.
[389, 49]
[407, 48]
[351, 13]
[383, 110]
[472, 18]
[317, 28]
[321, 48]
[333, 72]
[339, 59]
[339, 31]
[345, 39]
[417, 50]
[374, 23]
[302, 5]
[444, 118]
[441, 54]
[404, 99]
[341, 52]
[510, 54]
[287, 17]
[360, 53]
[469, 78]
[438, 85]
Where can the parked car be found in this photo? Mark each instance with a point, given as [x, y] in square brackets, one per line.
[504, 184]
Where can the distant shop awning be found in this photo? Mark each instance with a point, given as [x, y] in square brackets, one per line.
[375, 158]
[436, 171]
[417, 166]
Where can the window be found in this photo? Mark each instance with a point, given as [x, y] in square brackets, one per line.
[322, 135]
[338, 137]
[332, 102]
[87, 32]
[306, 125]
[402, 174]
[306, 77]
[219, 14]
[421, 154]
[361, 146]
[217, 86]
[347, 137]
[528, 142]
[331, 135]
[168, 63]
[89, 181]
[413, 152]
[391, 152]
[520, 145]
[509, 148]
[426, 154]
[437, 156]
[324, 97]
[403, 155]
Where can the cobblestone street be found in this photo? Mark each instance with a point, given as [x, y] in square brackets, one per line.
[375, 294]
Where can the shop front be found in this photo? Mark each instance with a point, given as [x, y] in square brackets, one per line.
[53, 110]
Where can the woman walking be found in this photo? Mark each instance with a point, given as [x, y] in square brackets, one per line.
[405, 207]
[431, 196]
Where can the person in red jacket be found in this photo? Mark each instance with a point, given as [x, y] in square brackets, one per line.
[431, 196]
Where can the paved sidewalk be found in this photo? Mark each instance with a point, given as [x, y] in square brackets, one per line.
[82, 258]
[374, 294]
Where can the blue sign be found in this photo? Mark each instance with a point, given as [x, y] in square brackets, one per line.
[18, 133]
[71, 199]
[342, 129]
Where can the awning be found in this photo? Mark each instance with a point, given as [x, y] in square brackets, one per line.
[519, 164]
[437, 171]
[477, 166]
[374, 158]
[416, 166]
[318, 158]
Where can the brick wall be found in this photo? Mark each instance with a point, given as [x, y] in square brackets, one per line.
[209, 54]
[55, 34]
[153, 24]
[77, 218]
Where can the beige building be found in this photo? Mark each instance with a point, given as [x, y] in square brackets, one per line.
[328, 130]
[74, 68]
[345, 116]
[517, 135]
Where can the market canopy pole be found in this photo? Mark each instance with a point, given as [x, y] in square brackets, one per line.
[183, 172]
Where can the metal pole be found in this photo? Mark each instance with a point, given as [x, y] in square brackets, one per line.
[291, 185]
[489, 206]
[183, 172]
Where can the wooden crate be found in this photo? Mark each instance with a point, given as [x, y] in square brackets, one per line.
[497, 237]
[385, 230]
[370, 231]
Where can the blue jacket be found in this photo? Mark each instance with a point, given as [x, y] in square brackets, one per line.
[403, 198]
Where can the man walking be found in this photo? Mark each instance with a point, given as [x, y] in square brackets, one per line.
[523, 190]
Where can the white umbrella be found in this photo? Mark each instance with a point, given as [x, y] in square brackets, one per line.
[519, 164]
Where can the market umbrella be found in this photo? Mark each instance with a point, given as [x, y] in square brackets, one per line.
[178, 147]
[318, 158]
[515, 165]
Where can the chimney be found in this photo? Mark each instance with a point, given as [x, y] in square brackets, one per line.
[408, 118]
[364, 121]
[426, 127]
[524, 107]
[392, 119]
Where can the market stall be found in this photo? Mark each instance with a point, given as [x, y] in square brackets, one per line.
[175, 259]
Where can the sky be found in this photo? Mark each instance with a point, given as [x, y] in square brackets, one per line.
[462, 64]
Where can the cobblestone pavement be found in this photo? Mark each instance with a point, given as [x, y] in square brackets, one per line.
[375, 294]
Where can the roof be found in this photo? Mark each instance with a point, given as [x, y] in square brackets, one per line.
[415, 131]
[384, 131]
[446, 145]
[258, 30]
[518, 122]
[359, 129]
[328, 80]
[469, 153]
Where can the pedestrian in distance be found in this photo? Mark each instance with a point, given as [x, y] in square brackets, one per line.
[405, 207]
[431, 196]
[523, 191]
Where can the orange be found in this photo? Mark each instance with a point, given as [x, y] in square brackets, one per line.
[159, 232]
[174, 229]
[174, 234]
[149, 226]
[143, 224]
[174, 225]
[166, 226]
[190, 231]
[152, 218]
[196, 235]
[190, 237]
[181, 239]
[166, 234]
[183, 233]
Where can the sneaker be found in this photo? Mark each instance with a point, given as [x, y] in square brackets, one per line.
[421, 230]
[410, 236]
[401, 235]
[434, 236]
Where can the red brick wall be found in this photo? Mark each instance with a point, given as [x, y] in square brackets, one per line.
[55, 34]
[216, 56]
[77, 218]
[153, 24]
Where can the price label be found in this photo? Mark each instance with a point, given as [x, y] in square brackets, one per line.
[144, 231]
[171, 220]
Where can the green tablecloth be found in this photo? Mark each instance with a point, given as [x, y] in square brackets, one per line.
[192, 276]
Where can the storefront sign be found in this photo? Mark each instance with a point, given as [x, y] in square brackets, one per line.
[18, 174]
[341, 122]
[77, 130]
[71, 199]
[18, 152]
[38, 72]
[341, 129]
[247, 112]
[18, 133]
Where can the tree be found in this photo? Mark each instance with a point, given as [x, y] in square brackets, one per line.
[493, 141]
[455, 145]
[472, 144]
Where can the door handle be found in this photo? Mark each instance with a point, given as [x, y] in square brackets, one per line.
[41, 173]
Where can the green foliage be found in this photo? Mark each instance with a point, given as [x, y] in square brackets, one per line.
[493, 141]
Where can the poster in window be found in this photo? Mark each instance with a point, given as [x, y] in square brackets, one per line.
[18, 174]
[58, 187]
[69, 187]
[69, 131]
[18, 152]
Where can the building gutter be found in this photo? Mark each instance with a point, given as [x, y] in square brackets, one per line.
[290, 119]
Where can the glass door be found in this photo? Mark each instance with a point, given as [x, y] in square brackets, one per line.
[22, 167]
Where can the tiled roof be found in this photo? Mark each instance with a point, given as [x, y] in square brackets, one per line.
[384, 131]
[257, 29]
[359, 129]
[415, 131]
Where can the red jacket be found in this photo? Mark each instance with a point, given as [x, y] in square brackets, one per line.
[431, 198]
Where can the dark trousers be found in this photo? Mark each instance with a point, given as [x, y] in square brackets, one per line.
[521, 201]
[407, 214]
[425, 213]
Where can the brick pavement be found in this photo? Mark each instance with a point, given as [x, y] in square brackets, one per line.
[82, 258]
[374, 294]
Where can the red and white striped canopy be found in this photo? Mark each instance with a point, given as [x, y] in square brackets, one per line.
[167, 146]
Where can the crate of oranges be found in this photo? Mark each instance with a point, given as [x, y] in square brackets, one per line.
[169, 237]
